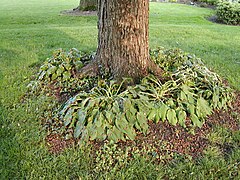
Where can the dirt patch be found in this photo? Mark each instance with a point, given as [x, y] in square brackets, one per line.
[77, 12]
[56, 144]
[166, 139]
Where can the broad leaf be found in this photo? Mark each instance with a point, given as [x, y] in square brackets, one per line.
[203, 107]
[152, 114]
[172, 117]
[142, 120]
[182, 117]
[68, 117]
[82, 116]
[78, 129]
[162, 111]
[196, 121]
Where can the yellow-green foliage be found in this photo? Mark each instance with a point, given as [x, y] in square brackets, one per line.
[228, 12]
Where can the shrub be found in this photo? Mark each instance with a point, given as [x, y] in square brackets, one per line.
[210, 2]
[228, 12]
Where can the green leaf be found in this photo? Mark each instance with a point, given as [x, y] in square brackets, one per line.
[215, 99]
[84, 102]
[99, 122]
[78, 65]
[152, 114]
[190, 98]
[142, 88]
[92, 115]
[137, 126]
[54, 76]
[122, 123]
[109, 116]
[115, 108]
[185, 88]
[140, 105]
[60, 70]
[183, 96]
[112, 136]
[51, 70]
[203, 107]
[191, 109]
[127, 104]
[130, 132]
[170, 102]
[78, 129]
[67, 66]
[196, 120]
[92, 131]
[44, 67]
[82, 116]
[66, 75]
[116, 134]
[162, 111]
[130, 111]
[42, 74]
[172, 117]
[68, 117]
[142, 120]
[101, 134]
[130, 117]
[182, 115]
[133, 92]
[90, 104]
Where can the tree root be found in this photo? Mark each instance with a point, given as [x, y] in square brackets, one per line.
[90, 70]
[155, 69]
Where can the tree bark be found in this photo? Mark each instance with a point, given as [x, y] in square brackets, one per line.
[123, 47]
[86, 5]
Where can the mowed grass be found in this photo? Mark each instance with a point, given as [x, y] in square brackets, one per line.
[31, 29]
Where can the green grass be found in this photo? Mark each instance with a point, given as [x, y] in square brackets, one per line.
[31, 29]
[185, 27]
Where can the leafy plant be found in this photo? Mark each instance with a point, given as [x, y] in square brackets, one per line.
[228, 12]
[110, 111]
[210, 2]
[193, 90]
[59, 73]
[104, 112]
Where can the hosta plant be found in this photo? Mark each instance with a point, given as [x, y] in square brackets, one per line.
[60, 73]
[104, 112]
[112, 111]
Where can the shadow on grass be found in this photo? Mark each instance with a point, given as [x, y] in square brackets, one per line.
[22, 150]
[9, 147]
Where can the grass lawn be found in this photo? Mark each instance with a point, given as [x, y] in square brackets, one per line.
[31, 29]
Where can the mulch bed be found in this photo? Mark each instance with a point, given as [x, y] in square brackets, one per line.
[174, 138]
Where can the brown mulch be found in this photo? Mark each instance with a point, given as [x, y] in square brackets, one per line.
[167, 139]
[57, 144]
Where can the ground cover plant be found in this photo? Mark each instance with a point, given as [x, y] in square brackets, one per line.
[25, 45]
[108, 110]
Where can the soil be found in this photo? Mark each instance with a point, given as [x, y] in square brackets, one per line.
[166, 139]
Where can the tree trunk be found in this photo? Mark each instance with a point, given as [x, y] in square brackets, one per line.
[123, 47]
[88, 5]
